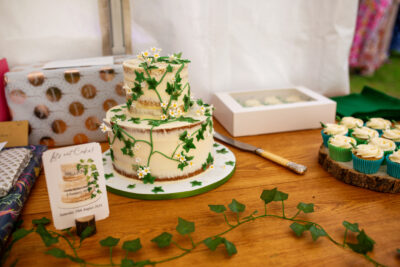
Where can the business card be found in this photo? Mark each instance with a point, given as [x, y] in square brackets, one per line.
[75, 183]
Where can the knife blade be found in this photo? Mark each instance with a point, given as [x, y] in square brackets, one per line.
[295, 167]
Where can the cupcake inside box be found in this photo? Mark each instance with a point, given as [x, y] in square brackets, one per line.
[270, 97]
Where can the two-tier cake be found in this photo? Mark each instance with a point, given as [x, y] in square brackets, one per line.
[160, 133]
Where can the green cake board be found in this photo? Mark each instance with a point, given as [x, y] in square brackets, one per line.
[223, 168]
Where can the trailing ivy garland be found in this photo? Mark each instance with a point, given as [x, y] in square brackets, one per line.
[88, 166]
[170, 113]
[363, 246]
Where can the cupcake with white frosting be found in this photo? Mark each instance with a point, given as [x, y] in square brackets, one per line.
[393, 164]
[392, 134]
[388, 146]
[363, 134]
[367, 158]
[351, 123]
[340, 147]
[331, 129]
[378, 124]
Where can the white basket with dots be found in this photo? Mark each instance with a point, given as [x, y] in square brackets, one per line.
[64, 106]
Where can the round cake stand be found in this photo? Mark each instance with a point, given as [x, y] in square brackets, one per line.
[222, 170]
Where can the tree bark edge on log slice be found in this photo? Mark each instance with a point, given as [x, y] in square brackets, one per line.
[380, 182]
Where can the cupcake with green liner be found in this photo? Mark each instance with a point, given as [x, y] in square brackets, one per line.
[367, 158]
[392, 134]
[340, 147]
[388, 146]
[393, 164]
[351, 123]
[378, 124]
[363, 134]
[331, 129]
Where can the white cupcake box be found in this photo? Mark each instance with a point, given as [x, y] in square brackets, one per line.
[272, 110]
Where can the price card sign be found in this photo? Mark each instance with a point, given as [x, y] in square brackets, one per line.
[76, 184]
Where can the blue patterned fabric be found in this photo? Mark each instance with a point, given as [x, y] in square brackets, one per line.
[11, 205]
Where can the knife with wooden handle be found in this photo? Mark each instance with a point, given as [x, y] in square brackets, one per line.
[297, 168]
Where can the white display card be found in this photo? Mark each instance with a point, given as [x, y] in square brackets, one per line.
[76, 184]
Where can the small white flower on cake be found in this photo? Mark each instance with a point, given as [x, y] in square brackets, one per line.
[174, 105]
[104, 128]
[128, 91]
[190, 163]
[156, 55]
[200, 111]
[178, 155]
[140, 175]
[148, 60]
[172, 57]
[173, 80]
[146, 170]
[172, 113]
[179, 112]
[153, 49]
[163, 117]
[163, 104]
[182, 159]
[145, 54]
[211, 166]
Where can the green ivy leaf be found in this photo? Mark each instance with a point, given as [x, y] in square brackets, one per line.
[231, 163]
[109, 242]
[152, 83]
[47, 238]
[298, 228]
[127, 263]
[230, 247]
[163, 240]
[186, 102]
[108, 175]
[195, 183]
[215, 145]
[210, 159]
[280, 196]
[86, 233]
[268, 195]
[306, 208]
[351, 226]
[116, 110]
[188, 144]
[149, 179]
[236, 206]
[135, 120]
[222, 151]
[56, 252]
[169, 68]
[187, 119]
[316, 232]
[20, 233]
[131, 186]
[365, 243]
[139, 76]
[132, 245]
[143, 263]
[398, 251]
[217, 208]
[184, 227]
[157, 189]
[43, 221]
[183, 136]
[199, 102]
[211, 243]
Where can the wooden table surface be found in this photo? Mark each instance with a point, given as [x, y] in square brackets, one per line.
[267, 241]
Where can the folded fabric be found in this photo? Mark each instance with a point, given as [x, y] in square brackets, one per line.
[369, 103]
[11, 205]
[12, 162]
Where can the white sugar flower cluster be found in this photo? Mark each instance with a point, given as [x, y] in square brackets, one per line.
[142, 171]
[173, 110]
[148, 56]
[182, 158]
[104, 128]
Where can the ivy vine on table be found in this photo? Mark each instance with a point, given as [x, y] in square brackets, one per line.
[364, 245]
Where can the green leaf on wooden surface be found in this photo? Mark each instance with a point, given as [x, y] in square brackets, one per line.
[47, 238]
[163, 240]
[127, 263]
[109, 242]
[132, 245]
[298, 228]
[20, 233]
[230, 247]
[236, 206]
[316, 232]
[365, 243]
[184, 227]
[86, 233]
[268, 195]
[213, 243]
[280, 196]
[351, 226]
[306, 208]
[217, 208]
[43, 221]
[56, 252]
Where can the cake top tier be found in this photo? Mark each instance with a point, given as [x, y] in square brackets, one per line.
[157, 87]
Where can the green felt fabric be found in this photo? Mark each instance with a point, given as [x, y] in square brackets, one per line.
[369, 103]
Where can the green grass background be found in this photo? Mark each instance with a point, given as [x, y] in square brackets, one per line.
[385, 79]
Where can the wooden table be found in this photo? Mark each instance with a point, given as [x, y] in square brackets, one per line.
[267, 241]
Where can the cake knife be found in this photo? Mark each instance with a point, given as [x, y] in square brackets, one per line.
[297, 168]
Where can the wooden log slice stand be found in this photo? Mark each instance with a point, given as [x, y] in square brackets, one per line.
[344, 172]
